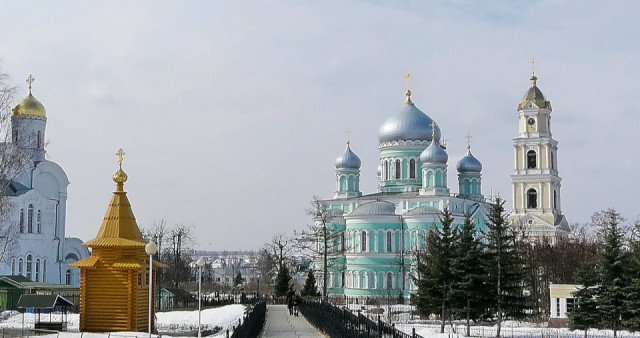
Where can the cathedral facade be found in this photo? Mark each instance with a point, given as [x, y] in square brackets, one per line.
[378, 234]
[36, 196]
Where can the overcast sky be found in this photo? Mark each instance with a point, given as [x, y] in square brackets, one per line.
[232, 113]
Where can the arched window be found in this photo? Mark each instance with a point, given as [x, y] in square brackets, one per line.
[13, 267]
[531, 159]
[29, 267]
[20, 267]
[398, 169]
[551, 164]
[67, 277]
[30, 219]
[342, 241]
[389, 280]
[39, 222]
[555, 196]
[363, 241]
[389, 241]
[39, 140]
[44, 270]
[386, 170]
[532, 199]
[22, 221]
[342, 281]
[365, 281]
[412, 169]
[37, 269]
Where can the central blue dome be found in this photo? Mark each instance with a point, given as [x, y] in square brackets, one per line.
[409, 124]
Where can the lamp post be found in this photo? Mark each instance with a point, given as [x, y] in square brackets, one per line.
[200, 264]
[151, 250]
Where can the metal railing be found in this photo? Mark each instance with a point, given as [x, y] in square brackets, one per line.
[252, 323]
[340, 322]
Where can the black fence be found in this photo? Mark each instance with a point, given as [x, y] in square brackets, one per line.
[337, 322]
[166, 302]
[252, 323]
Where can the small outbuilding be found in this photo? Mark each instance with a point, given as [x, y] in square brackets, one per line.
[53, 307]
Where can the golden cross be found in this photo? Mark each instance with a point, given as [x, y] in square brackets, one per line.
[30, 80]
[348, 134]
[468, 137]
[408, 77]
[533, 66]
[120, 154]
[433, 130]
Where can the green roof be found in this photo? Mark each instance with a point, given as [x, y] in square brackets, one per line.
[42, 301]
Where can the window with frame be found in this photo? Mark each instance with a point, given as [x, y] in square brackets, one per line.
[21, 221]
[531, 159]
[29, 267]
[557, 307]
[67, 277]
[389, 281]
[532, 199]
[39, 222]
[39, 139]
[30, 219]
[412, 168]
[13, 267]
[20, 267]
[389, 241]
[37, 269]
[44, 270]
[398, 168]
[342, 242]
[570, 305]
[363, 241]
[386, 170]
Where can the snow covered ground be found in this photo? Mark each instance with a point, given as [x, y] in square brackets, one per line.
[173, 323]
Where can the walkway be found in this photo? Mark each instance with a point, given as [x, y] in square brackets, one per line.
[280, 324]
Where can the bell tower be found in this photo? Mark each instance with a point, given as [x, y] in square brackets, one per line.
[535, 181]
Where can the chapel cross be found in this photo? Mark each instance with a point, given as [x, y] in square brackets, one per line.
[30, 80]
[348, 134]
[408, 77]
[533, 66]
[468, 137]
[433, 130]
[120, 154]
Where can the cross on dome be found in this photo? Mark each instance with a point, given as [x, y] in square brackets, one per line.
[30, 80]
[408, 77]
[433, 131]
[533, 66]
[120, 155]
[348, 134]
[468, 137]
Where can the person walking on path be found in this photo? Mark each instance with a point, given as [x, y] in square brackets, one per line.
[290, 299]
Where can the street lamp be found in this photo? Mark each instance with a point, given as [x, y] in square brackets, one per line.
[200, 264]
[151, 250]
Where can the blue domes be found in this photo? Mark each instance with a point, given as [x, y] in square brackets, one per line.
[469, 164]
[434, 154]
[409, 124]
[348, 160]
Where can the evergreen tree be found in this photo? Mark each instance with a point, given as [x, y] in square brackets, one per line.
[282, 282]
[434, 269]
[632, 322]
[613, 275]
[584, 314]
[469, 292]
[504, 267]
[310, 289]
[238, 280]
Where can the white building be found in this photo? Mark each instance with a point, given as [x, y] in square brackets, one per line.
[37, 199]
[562, 302]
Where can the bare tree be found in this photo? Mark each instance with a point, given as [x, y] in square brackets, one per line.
[324, 240]
[13, 160]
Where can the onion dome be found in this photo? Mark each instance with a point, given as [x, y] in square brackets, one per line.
[348, 160]
[30, 105]
[374, 208]
[469, 164]
[409, 124]
[534, 95]
[434, 154]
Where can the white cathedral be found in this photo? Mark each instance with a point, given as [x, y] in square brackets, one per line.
[380, 232]
[36, 197]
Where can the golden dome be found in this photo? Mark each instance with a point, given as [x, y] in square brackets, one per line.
[30, 106]
[534, 95]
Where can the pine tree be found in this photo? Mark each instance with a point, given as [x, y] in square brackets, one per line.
[238, 280]
[434, 268]
[613, 275]
[505, 267]
[469, 292]
[282, 282]
[584, 314]
[310, 289]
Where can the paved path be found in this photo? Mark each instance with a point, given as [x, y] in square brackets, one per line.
[280, 324]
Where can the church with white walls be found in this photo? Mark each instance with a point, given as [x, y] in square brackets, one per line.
[35, 197]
